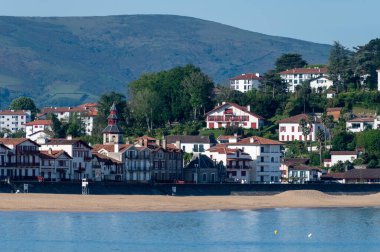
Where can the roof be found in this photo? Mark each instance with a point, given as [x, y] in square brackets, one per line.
[297, 118]
[330, 91]
[3, 146]
[14, 112]
[89, 105]
[15, 141]
[112, 129]
[362, 174]
[294, 161]
[337, 153]
[222, 150]
[104, 158]
[63, 141]
[337, 175]
[53, 154]
[236, 106]
[246, 76]
[316, 70]
[202, 160]
[304, 167]
[227, 137]
[187, 139]
[334, 109]
[111, 147]
[88, 110]
[362, 119]
[255, 140]
[39, 122]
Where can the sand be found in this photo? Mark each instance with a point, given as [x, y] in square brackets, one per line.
[136, 203]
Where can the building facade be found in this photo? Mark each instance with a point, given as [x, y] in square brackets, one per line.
[296, 76]
[230, 114]
[14, 120]
[245, 82]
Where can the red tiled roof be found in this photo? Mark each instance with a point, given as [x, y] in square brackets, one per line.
[39, 122]
[322, 70]
[246, 76]
[88, 105]
[85, 110]
[236, 106]
[304, 167]
[13, 112]
[327, 160]
[297, 119]
[111, 147]
[53, 154]
[362, 119]
[255, 140]
[222, 150]
[15, 141]
[337, 153]
[294, 161]
[337, 175]
[227, 137]
[105, 158]
[64, 141]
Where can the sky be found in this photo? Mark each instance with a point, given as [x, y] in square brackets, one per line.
[351, 22]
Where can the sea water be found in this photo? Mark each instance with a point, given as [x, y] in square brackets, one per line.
[327, 229]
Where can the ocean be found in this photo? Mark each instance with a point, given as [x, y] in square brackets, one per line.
[326, 229]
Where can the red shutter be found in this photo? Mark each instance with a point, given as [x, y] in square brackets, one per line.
[211, 125]
[253, 125]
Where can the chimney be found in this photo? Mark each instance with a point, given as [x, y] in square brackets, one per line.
[178, 144]
[141, 142]
[164, 144]
[69, 137]
[157, 142]
[116, 148]
[50, 151]
[249, 108]
[258, 74]
[251, 140]
[223, 103]
[235, 135]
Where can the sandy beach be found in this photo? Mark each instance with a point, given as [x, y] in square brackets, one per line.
[135, 203]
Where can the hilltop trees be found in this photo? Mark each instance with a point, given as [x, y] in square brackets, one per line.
[24, 103]
[289, 61]
[339, 66]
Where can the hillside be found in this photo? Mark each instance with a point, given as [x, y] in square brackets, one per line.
[69, 60]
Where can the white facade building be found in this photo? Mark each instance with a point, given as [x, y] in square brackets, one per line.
[32, 128]
[78, 150]
[296, 76]
[342, 156]
[190, 144]
[360, 124]
[230, 114]
[14, 120]
[245, 82]
[290, 129]
[322, 83]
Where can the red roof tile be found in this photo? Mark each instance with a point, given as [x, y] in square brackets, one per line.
[39, 122]
[246, 76]
[337, 153]
[15, 141]
[53, 154]
[236, 106]
[13, 112]
[322, 70]
[255, 140]
[111, 147]
[362, 119]
[297, 118]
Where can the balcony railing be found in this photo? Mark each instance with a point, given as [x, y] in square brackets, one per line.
[238, 167]
[227, 118]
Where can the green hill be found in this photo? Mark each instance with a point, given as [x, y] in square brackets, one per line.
[69, 60]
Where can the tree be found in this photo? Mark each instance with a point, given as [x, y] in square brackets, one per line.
[24, 103]
[75, 126]
[58, 128]
[305, 130]
[143, 107]
[321, 137]
[339, 66]
[343, 141]
[271, 81]
[289, 61]
[199, 87]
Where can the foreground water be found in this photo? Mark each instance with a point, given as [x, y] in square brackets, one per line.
[346, 229]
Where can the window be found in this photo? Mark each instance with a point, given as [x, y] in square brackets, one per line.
[262, 149]
[261, 159]
[292, 128]
[282, 129]
[204, 177]
[243, 173]
[262, 169]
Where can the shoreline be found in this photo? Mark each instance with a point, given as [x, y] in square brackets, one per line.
[159, 203]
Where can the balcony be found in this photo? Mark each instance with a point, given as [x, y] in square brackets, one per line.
[238, 167]
[227, 118]
[27, 164]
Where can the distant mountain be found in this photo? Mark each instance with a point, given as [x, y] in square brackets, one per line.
[69, 60]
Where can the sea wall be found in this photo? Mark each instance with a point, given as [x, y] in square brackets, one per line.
[188, 189]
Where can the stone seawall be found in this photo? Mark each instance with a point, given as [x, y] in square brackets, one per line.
[190, 189]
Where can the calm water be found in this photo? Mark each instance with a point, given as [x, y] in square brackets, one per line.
[332, 229]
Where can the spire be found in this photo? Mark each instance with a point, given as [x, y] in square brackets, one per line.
[112, 118]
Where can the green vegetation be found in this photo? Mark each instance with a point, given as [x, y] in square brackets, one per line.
[70, 60]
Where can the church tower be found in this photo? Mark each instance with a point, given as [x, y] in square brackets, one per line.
[112, 134]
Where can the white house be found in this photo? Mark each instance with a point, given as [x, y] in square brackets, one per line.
[360, 124]
[376, 123]
[330, 94]
[303, 174]
[228, 139]
[342, 156]
[245, 82]
[266, 156]
[321, 82]
[296, 76]
[190, 144]
[291, 130]
[239, 165]
[80, 152]
[86, 112]
[31, 128]
[231, 114]
[55, 165]
[14, 120]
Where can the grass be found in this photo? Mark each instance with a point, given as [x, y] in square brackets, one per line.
[361, 110]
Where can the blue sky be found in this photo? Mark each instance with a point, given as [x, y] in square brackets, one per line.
[352, 22]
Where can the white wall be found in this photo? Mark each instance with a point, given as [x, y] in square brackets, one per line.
[336, 158]
[293, 132]
[321, 82]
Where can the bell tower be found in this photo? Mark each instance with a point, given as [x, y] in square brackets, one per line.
[112, 134]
